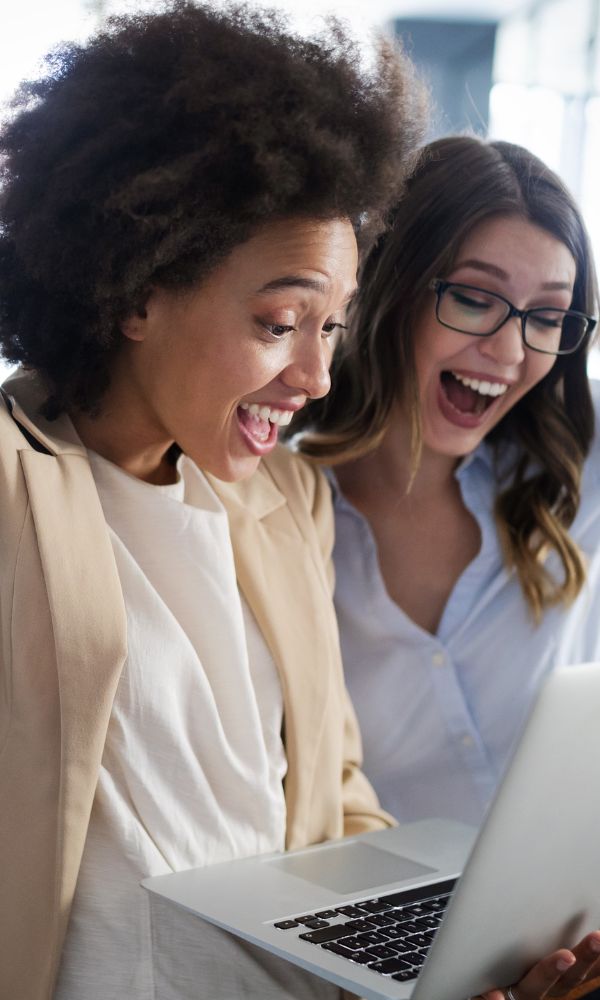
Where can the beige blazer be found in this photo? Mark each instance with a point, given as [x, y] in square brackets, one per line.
[62, 648]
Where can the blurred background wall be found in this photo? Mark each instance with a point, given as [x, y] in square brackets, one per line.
[524, 71]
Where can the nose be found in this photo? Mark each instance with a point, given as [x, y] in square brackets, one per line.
[308, 370]
[506, 346]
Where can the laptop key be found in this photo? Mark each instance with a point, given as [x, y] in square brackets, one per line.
[360, 957]
[404, 977]
[418, 941]
[353, 942]
[401, 917]
[399, 931]
[360, 926]
[381, 920]
[411, 926]
[435, 905]
[326, 914]
[391, 965]
[400, 946]
[422, 894]
[284, 925]
[372, 937]
[380, 951]
[349, 911]
[326, 934]
[315, 923]
[375, 905]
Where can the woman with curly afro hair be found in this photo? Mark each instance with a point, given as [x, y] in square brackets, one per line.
[182, 203]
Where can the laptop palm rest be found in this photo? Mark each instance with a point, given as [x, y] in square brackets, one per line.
[351, 868]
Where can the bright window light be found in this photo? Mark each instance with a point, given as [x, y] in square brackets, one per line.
[31, 30]
[530, 116]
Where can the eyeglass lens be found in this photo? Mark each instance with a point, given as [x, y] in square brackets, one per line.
[479, 312]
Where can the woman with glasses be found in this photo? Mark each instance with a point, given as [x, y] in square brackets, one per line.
[460, 432]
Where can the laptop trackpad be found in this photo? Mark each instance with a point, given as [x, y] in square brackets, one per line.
[351, 868]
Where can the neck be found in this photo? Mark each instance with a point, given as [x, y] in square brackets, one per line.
[386, 473]
[125, 434]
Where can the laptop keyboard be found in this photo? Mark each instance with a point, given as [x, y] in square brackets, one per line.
[390, 934]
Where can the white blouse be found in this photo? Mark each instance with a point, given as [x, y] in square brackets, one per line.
[439, 714]
[193, 764]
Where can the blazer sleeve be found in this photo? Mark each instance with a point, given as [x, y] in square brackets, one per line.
[362, 811]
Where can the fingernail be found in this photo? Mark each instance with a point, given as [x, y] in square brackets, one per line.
[564, 963]
[595, 944]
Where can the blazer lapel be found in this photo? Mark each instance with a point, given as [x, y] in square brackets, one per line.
[89, 627]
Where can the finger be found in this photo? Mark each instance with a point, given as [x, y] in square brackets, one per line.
[543, 977]
[586, 965]
[558, 974]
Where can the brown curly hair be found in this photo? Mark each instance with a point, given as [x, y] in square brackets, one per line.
[145, 155]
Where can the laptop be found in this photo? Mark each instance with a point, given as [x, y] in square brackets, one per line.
[428, 910]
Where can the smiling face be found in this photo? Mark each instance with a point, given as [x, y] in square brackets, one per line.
[466, 383]
[219, 368]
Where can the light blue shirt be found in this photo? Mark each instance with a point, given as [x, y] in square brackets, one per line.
[439, 713]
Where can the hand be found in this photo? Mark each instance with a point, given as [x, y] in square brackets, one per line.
[557, 974]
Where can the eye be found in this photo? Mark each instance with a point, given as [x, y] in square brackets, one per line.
[468, 301]
[547, 320]
[278, 330]
[330, 326]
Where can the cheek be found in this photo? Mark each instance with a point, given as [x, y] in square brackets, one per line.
[539, 365]
[434, 351]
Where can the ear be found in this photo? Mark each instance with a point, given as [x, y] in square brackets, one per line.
[134, 327]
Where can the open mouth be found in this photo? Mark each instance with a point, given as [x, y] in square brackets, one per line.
[261, 422]
[470, 395]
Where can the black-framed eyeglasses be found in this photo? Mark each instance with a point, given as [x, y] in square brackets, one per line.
[472, 310]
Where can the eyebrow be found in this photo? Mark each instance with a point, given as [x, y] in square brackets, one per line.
[296, 281]
[497, 272]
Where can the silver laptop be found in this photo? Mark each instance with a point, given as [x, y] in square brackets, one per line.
[385, 915]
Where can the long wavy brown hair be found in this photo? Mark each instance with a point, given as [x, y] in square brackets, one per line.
[457, 183]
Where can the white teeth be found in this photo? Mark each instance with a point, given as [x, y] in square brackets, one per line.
[274, 416]
[482, 387]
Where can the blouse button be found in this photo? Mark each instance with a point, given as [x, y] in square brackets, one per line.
[438, 659]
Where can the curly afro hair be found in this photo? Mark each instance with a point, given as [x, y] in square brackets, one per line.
[145, 155]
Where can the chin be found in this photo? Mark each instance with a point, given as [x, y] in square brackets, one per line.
[453, 448]
[232, 470]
